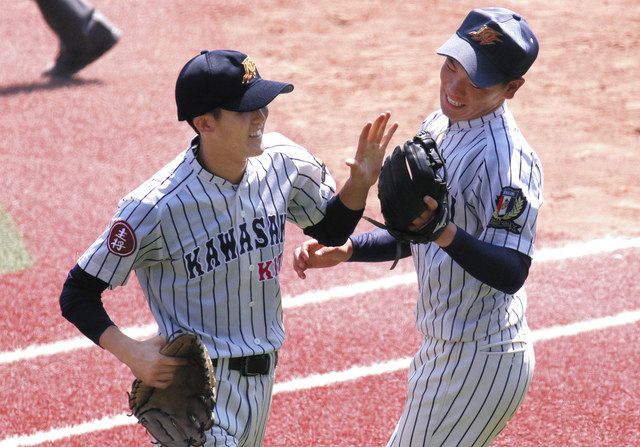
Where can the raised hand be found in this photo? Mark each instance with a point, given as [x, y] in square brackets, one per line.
[366, 164]
[372, 145]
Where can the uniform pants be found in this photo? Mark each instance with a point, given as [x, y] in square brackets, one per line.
[242, 407]
[463, 393]
[67, 18]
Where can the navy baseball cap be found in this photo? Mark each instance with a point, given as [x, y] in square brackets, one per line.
[226, 79]
[494, 45]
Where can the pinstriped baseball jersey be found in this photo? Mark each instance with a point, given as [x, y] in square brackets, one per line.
[495, 181]
[207, 252]
[476, 361]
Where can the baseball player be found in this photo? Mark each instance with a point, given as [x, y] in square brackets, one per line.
[476, 361]
[205, 237]
[84, 34]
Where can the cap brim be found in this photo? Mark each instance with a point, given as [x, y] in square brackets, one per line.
[259, 94]
[478, 67]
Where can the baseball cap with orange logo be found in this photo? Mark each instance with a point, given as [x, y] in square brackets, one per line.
[494, 45]
[227, 79]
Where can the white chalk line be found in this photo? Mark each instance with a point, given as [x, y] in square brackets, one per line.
[320, 380]
[568, 251]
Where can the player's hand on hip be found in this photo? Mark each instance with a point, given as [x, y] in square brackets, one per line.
[153, 368]
[311, 254]
[372, 145]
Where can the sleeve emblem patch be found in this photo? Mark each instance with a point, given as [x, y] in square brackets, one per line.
[122, 239]
[510, 205]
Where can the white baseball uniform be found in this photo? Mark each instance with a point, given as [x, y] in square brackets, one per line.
[207, 254]
[476, 362]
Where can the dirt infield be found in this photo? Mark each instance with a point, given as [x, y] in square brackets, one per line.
[90, 141]
[580, 107]
[69, 151]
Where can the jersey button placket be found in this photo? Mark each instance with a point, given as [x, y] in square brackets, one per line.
[242, 200]
[240, 218]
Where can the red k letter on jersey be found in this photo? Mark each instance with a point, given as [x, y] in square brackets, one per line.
[264, 270]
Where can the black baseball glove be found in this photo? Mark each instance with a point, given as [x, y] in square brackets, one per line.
[411, 172]
[180, 414]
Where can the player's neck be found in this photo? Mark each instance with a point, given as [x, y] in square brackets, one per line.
[221, 163]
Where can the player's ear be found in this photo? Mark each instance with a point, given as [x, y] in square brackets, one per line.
[204, 123]
[512, 87]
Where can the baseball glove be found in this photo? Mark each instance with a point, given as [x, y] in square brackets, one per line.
[180, 414]
[411, 172]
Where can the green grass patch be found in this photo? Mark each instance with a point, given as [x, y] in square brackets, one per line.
[13, 254]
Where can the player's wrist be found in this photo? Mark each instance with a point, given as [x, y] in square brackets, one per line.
[119, 344]
[446, 238]
[347, 249]
[353, 195]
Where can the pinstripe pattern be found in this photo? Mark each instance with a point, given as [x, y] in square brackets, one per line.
[476, 361]
[209, 252]
[483, 156]
[463, 394]
[241, 409]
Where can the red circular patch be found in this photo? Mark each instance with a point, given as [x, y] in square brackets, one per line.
[122, 239]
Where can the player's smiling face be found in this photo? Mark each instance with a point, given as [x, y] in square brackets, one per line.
[461, 100]
[242, 131]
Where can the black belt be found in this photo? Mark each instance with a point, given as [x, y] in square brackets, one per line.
[252, 365]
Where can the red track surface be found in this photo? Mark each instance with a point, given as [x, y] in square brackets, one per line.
[70, 151]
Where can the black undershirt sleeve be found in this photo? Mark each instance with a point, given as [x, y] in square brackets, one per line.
[502, 268]
[336, 226]
[81, 303]
[377, 246]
